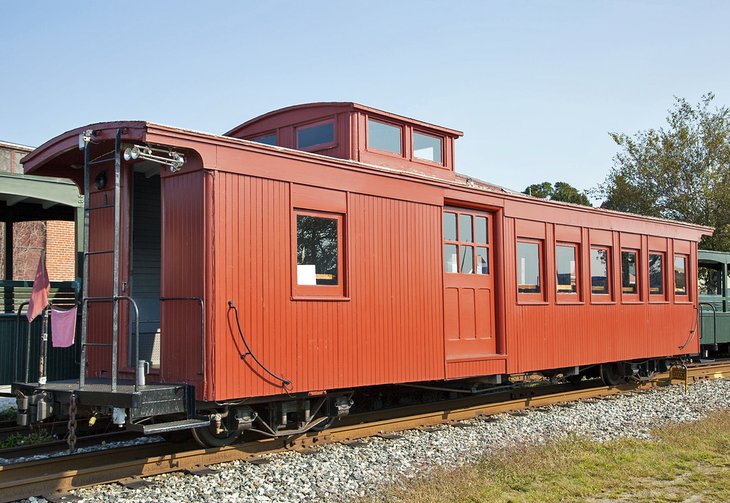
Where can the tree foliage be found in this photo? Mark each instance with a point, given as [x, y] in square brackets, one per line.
[561, 191]
[680, 171]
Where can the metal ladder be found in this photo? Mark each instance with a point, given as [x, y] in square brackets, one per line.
[115, 298]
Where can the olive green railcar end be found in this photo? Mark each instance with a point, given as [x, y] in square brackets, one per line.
[714, 297]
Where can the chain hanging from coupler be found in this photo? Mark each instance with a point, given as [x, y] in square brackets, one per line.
[71, 440]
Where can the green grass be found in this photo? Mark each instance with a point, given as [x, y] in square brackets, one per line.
[684, 461]
[8, 414]
[16, 439]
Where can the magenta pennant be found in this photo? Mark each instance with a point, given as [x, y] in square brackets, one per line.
[41, 287]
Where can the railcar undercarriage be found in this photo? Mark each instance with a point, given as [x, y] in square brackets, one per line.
[164, 408]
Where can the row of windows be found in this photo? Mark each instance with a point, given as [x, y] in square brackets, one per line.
[381, 136]
[466, 251]
[568, 271]
[389, 138]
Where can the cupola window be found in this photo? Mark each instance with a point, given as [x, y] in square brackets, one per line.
[382, 136]
[315, 136]
[427, 147]
[267, 139]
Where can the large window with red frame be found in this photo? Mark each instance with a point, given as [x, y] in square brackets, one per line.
[318, 253]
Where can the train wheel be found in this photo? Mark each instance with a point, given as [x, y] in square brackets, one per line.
[208, 437]
[612, 374]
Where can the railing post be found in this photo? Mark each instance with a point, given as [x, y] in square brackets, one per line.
[8, 290]
[43, 351]
[17, 354]
[117, 232]
[85, 270]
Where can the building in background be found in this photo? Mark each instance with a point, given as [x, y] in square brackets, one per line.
[29, 237]
[36, 213]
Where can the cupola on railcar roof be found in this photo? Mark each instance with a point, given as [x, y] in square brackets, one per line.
[359, 133]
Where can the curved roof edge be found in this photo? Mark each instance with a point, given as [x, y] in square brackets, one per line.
[69, 140]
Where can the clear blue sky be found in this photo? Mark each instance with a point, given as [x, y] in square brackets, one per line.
[536, 86]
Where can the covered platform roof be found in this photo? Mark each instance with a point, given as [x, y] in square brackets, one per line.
[26, 198]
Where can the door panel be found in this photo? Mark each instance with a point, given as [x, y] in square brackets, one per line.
[468, 300]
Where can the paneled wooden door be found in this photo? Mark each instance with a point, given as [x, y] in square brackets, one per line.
[468, 284]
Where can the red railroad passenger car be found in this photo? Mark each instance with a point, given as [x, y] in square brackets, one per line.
[323, 248]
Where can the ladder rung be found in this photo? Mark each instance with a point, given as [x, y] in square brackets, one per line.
[101, 252]
[99, 207]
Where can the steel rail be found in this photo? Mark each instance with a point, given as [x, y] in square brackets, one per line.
[62, 474]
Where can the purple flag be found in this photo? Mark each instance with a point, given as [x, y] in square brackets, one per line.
[63, 327]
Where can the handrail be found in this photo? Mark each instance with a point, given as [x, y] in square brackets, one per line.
[17, 345]
[202, 327]
[29, 284]
[714, 321]
[14, 291]
[114, 300]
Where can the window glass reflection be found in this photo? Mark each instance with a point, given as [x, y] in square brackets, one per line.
[565, 265]
[528, 267]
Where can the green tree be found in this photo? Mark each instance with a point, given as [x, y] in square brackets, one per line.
[561, 191]
[680, 171]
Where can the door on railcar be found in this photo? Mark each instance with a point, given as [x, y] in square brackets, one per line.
[468, 284]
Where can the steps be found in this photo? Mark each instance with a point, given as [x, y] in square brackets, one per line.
[183, 424]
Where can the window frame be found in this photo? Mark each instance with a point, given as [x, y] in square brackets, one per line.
[319, 292]
[657, 297]
[415, 158]
[473, 244]
[628, 297]
[531, 297]
[400, 127]
[601, 298]
[569, 297]
[682, 298]
[318, 146]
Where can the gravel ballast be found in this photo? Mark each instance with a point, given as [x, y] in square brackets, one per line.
[336, 472]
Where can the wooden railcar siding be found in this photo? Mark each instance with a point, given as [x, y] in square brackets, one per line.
[388, 329]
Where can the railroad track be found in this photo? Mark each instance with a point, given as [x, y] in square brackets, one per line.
[61, 446]
[132, 464]
[10, 428]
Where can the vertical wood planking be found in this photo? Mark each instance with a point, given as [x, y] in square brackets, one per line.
[386, 332]
[183, 242]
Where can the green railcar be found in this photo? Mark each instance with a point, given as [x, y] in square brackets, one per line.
[714, 296]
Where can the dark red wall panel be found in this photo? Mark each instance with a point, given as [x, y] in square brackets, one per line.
[183, 265]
